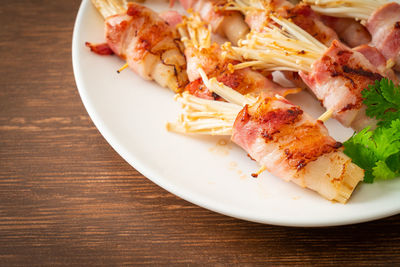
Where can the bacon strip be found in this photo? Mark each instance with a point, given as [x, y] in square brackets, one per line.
[337, 80]
[172, 17]
[350, 31]
[384, 26]
[293, 146]
[303, 16]
[100, 49]
[149, 45]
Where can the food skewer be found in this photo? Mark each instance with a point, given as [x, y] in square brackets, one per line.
[126, 65]
[381, 18]
[147, 43]
[336, 75]
[277, 134]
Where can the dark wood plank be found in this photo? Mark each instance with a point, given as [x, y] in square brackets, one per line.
[66, 198]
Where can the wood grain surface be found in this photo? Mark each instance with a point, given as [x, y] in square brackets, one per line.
[67, 198]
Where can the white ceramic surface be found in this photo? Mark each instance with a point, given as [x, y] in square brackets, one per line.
[208, 171]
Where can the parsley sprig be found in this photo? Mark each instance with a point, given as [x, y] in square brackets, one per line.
[378, 151]
[383, 101]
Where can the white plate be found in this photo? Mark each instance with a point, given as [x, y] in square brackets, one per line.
[131, 114]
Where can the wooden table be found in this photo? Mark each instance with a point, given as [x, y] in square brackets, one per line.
[67, 198]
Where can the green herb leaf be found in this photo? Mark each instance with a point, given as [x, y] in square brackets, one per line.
[382, 171]
[393, 162]
[387, 140]
[358, 149]
[377, 152]
[383, 101]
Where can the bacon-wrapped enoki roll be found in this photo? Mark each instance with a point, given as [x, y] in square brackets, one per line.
[278, 135]
[149, 45]
[203, 55]
[226, 23]
[381, 18]
[337, 79]
[336, 75]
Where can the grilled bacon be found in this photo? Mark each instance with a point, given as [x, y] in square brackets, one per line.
[148, 44]
[337, 80]
[350, 31]
[303, 16]
[293, 146]
[100, 49]
[384, 26]
[378, 60]
[172, 17]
